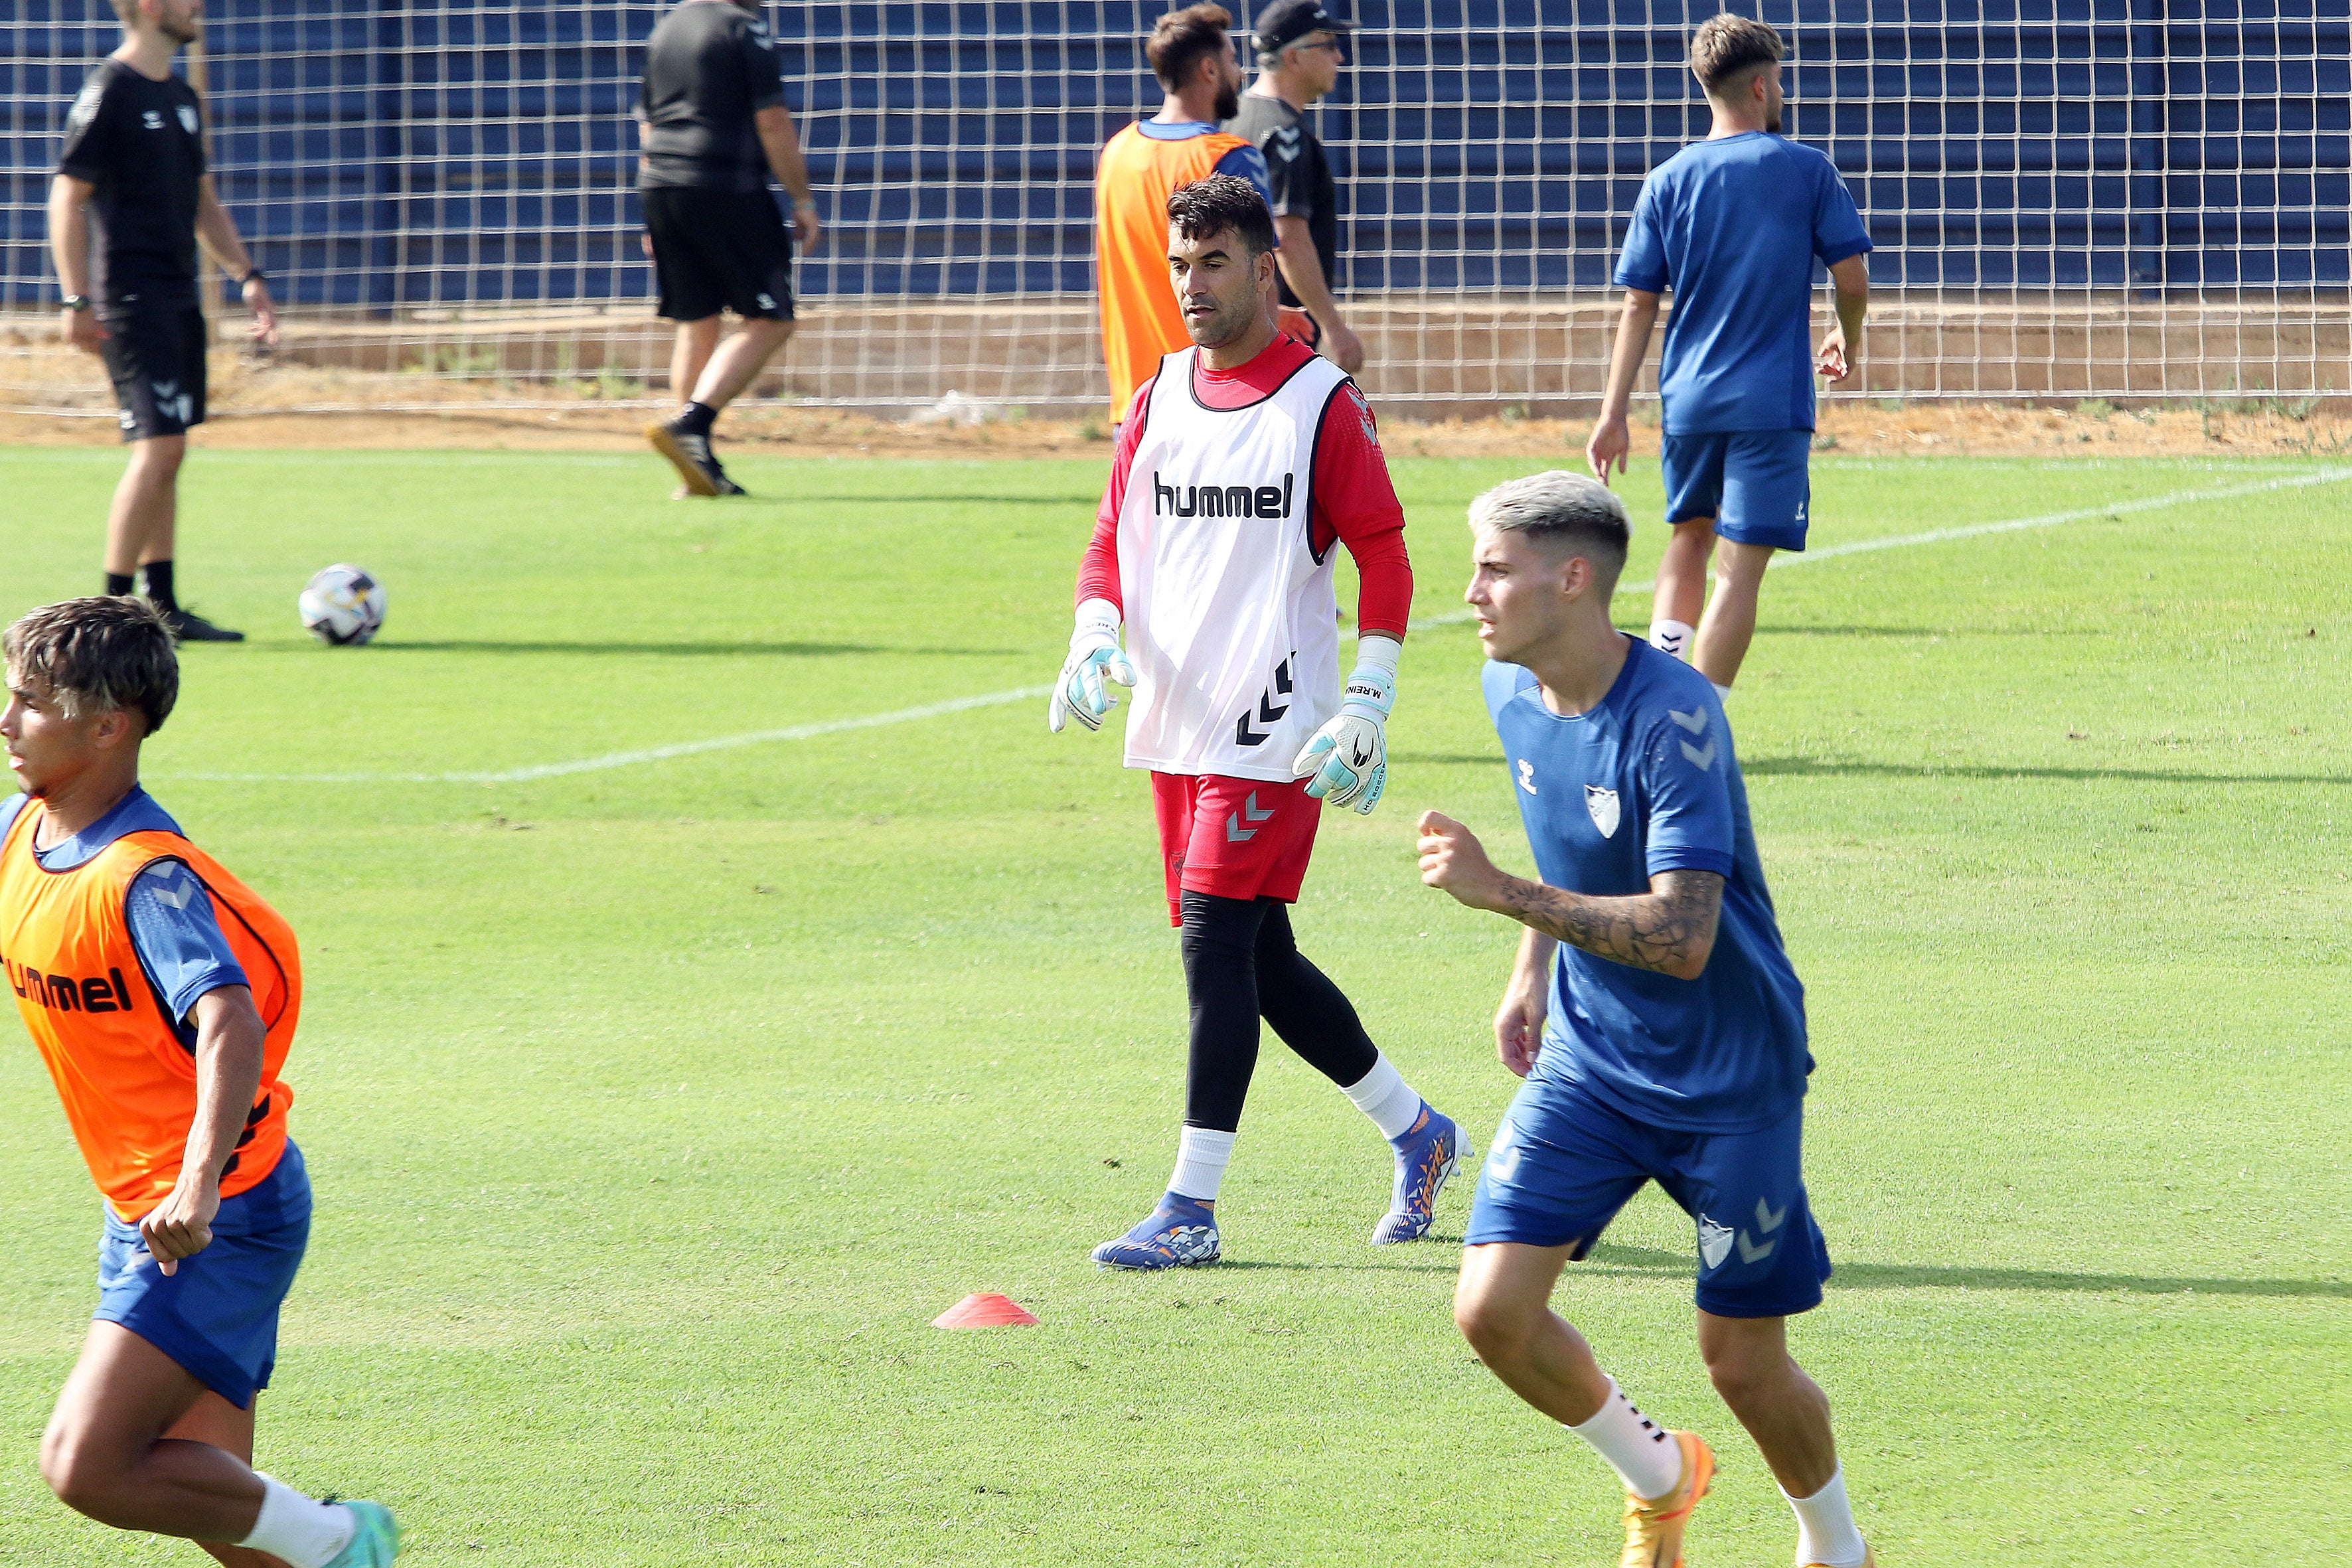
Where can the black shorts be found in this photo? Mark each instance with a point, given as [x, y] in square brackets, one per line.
[718, 251]
[155, 353]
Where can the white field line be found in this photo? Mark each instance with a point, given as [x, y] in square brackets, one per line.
[1031, 693]
[1783, 560]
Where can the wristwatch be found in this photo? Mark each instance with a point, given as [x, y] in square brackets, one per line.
[76, 302]
[255, 276]
[804, 203]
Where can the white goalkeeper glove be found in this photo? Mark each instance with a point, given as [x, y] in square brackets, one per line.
[1094, 659]
[1348, 757]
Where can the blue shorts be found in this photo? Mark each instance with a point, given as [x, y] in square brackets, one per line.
[217, 1315]
[1564, 1163]
[1754, 483]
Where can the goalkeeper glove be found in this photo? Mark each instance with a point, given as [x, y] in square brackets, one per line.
[1348, 757]
[1094, 659]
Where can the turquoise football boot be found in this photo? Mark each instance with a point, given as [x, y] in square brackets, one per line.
[374, 1544]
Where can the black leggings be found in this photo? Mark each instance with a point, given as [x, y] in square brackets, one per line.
[1240, 963]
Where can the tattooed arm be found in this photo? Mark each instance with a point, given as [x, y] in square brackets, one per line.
[1670, 930]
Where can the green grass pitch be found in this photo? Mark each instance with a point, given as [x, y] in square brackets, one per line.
[654, 1110]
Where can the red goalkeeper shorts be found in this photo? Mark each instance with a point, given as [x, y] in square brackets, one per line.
[1232, 838]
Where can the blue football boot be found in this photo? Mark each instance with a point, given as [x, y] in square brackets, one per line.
[374, 1544]
[1180, 1233]
[1425, 1157]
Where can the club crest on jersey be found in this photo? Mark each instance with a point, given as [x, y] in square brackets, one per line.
[1528, 776]
[187, 120]
[1221, 500]
[1603, 805]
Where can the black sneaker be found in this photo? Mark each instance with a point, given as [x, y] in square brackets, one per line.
[186, 627]
[689, 454]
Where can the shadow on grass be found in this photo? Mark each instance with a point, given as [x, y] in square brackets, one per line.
[1808, 767]
[681, 649]
[1916, 1276]
[1610, 1258]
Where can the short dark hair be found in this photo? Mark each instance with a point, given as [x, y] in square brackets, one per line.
[1182, 36]
[1222, 204]
[98, 656]
[1726, 45]
[1561, 511]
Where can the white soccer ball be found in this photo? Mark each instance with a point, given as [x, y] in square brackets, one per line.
[342, 605]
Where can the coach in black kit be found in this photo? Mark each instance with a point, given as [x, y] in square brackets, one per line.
[1298, 61]
[714, 128]
[129, 203]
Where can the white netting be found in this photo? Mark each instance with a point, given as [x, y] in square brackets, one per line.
[2088, 198]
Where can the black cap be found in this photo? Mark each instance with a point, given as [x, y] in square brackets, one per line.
[1284, 22]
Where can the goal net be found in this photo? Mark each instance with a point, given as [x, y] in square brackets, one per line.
[2071, 198]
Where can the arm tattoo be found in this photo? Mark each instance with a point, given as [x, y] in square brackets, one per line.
[1659, 929]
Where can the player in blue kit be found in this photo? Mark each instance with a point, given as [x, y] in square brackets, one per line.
[1733, 225]
[1654, 1015]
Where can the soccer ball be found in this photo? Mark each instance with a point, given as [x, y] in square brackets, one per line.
[342, 605]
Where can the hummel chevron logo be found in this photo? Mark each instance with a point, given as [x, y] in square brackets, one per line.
[177, 898]
[1235, 832]
[1766, 1220]
[1695, 722]
[1268, 713]
[1702, 760]
[1751, 1253]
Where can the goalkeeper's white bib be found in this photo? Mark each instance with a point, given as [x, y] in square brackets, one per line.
[1231, 623]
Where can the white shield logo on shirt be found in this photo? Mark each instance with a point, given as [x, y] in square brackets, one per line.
[1714, 1241]
[1603, 805]
[188, 119]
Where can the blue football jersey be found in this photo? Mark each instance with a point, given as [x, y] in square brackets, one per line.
[1646, 783]
[1733, 226]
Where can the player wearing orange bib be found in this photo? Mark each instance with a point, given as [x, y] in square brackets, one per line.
[1191, 53]
[162, 993]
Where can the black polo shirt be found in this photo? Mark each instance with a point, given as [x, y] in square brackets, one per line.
[1303, 186]
[139, 142]
[710, 67]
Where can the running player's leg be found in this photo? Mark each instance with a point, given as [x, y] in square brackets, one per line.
[142, 523]
[1729, 624]
[1680, 597]
[1766, 495]
[689, 355]
[1762, 1259]
[1562, 1165]
[740, 359]
[1692, 468]
[121, 1450]
[1313, 1017]
[214, 1420]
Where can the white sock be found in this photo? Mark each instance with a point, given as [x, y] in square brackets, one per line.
[1671, 637]
[1201, 1157]
[1644, 1454]
[1722, 692]
[303, 1532]
[1825, 1531]
[1384, 1095]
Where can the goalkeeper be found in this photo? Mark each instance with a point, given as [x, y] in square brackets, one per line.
[1238, 467]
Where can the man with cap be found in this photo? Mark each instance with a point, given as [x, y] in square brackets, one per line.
[1298, 61]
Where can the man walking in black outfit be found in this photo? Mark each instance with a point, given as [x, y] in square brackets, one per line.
[1298, 62]
[714, 128]
[129, 203]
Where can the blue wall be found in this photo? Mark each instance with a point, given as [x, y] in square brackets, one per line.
[412, 151]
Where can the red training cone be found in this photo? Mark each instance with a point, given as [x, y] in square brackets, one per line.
[985, 1309]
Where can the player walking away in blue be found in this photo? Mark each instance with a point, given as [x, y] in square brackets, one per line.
[1654, 1015]
[1732, 225]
